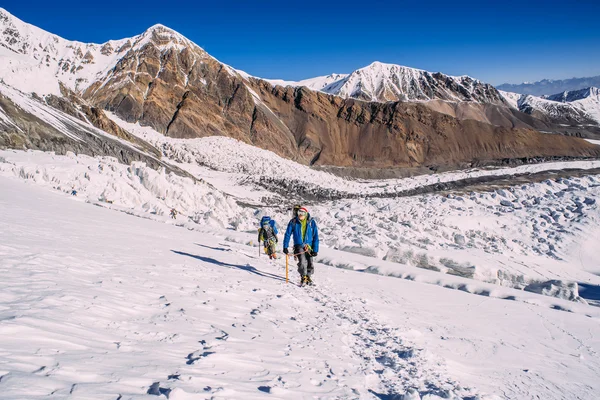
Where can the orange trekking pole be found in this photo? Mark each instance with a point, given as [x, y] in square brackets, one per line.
[287, 257]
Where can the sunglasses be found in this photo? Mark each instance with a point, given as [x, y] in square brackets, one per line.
[302, 212]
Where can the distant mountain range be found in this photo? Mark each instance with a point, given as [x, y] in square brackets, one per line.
[547, 87]
[54, 94]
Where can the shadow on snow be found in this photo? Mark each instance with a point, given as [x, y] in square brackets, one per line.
[246, 267]
[212, 248]
[591, 293]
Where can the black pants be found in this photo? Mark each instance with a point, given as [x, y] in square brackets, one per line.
[270, 246]
[305, 261]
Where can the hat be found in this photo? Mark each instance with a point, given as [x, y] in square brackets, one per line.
[303, 209]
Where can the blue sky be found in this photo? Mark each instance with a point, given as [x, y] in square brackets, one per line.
[504, 41]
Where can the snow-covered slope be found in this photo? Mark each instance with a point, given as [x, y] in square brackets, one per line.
[427, 231]
[125, 307]
[390, 82]
[28, 121]
[554, 109]
[34, 60]
[577, 107]
[587, 100]
[576, 95]
[317, 83]
[511, 98]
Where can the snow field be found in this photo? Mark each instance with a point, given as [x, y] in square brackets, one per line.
[173, 312]
[136, 188]
[511, 237]
[517, 237]
[123, 306]
[514, 226]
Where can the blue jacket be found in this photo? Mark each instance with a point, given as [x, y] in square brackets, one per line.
[294, 229]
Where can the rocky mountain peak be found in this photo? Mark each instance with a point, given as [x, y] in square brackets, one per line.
[76, 65]
[390, 82]
[574, 95]
[159, 27]
[163, 37]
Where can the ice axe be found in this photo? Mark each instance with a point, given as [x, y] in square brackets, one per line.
[287, 261]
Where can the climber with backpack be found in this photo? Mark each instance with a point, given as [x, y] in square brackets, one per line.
[303, 228]
[267, 233]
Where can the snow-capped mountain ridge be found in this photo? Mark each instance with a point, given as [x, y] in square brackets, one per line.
[578, 106]
[163, 80]
[574, 95]
[391, 82]
[316, 83]
[28, 52]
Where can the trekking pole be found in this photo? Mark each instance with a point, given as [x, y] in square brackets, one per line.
[287, 257]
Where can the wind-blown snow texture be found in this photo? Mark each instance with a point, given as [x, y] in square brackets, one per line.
[122, 306]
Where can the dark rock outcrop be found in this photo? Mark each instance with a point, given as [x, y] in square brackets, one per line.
[27, 131]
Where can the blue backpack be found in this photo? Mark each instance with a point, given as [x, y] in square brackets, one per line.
[268, 225]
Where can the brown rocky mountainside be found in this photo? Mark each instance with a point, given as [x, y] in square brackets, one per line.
[508, 117]
[177, 88]
[347, 132]
[163, 80]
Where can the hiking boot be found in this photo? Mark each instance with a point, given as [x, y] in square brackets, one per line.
[304, 280]
[308, 280]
